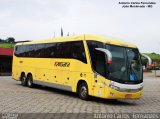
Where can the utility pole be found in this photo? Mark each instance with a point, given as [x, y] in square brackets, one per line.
[61, 32]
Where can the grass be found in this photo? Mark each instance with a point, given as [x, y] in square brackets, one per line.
[6, 45]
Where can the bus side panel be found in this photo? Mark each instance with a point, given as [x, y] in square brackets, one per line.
[82, 76]
[16, 69]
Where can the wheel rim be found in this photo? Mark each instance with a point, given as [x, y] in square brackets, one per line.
[83, 91]
[29, 82]
[23, 79]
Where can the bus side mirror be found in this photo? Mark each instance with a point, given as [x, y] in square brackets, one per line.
[108, 53]
[148, 58]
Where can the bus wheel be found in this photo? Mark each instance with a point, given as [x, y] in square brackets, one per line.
[30, 81]
[23, 80]
[83, 91]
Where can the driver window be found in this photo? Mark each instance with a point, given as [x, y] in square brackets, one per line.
[100, 63]
[97, 57]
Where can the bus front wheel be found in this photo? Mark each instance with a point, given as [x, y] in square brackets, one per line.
[23, 80]
[83, 91]
[30, 81]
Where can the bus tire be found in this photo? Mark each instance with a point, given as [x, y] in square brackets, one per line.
[23, 80]
[83, 91]
[30, 81]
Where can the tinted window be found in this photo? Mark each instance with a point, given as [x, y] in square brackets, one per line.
[100, 63]
[16, 50]
[39, 50]
[65, 50]
[97, 57]
[78, 52]
[134, 63]
[59, 50]
[50, 50]
[73, 50]
[118, 67]
[20, 51]
[30, 51]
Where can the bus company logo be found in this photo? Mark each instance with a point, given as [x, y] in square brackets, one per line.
[62, 64]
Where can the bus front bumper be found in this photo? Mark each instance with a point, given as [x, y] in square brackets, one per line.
[114, 94]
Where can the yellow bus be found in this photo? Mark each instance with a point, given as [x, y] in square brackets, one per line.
[89, 65]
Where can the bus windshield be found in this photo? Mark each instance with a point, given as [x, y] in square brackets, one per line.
[126, 65]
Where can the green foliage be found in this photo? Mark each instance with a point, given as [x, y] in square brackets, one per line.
[10, 40]
[153, 56]
[144, 61]
[6, 45]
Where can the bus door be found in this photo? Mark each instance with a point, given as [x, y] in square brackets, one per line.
[103, 57]
[99, 65]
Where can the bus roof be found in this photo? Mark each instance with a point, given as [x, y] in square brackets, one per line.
[83, 37]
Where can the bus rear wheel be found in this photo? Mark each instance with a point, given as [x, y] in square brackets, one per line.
[23, 80]
[30, 81]
[83, 91]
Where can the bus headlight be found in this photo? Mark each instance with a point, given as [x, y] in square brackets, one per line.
[111, 85]
[114, 87]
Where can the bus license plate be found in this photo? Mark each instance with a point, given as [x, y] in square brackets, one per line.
[128, 96]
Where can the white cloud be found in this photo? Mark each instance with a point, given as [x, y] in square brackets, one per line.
[39, 19]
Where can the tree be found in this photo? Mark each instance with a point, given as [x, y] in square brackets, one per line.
[10, 40]
[2, 41]
[144, 62]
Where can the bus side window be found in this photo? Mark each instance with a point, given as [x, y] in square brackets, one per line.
[50, 49]
[100, 63]
[97, 58]
[39, 50]
[78, 51]
[66, 50]
[59, 50]
[16, 51]
[21, 51]
[29, 51]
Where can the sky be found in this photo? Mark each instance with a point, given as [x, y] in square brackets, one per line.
[40, 19]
